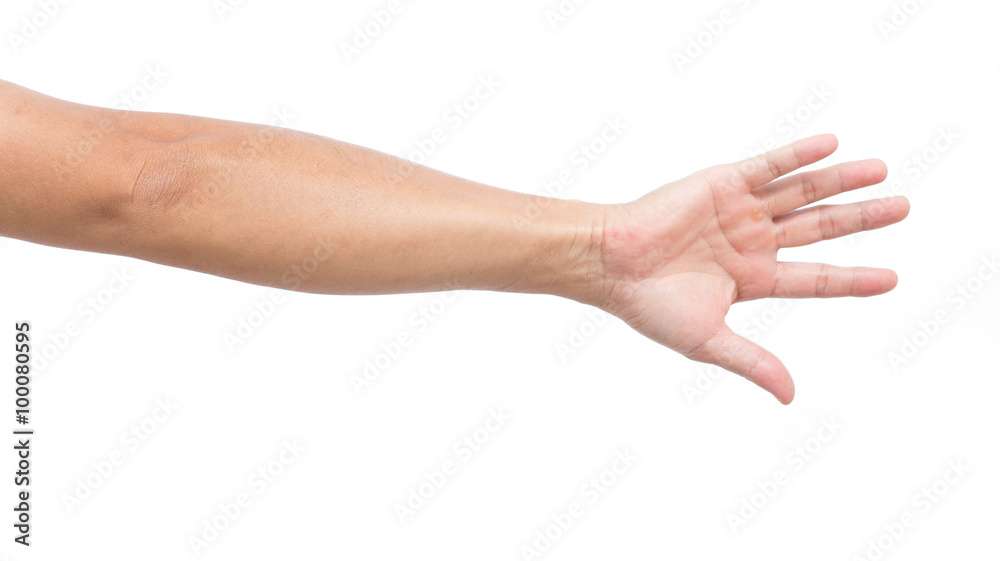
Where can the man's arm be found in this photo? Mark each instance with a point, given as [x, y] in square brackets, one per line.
[298, 211]
[258, 204]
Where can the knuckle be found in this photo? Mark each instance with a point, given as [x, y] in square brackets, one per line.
[773, 167]
[755, 365]
[809, 191]
[864, 218]
[827, 224]
[822, 280]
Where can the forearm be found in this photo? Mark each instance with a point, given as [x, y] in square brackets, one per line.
[289, 209]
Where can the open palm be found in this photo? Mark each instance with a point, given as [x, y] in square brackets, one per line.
[678, 258]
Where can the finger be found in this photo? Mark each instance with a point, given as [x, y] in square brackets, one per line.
[806, 188]
[769, 166]
[750, 360]
[814, 224]
[817, 280]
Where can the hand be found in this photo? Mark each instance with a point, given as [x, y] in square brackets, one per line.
[677, 259]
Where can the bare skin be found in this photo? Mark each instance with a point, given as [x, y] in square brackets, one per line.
[301, 212]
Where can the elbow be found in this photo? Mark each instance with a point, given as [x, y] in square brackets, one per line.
[153, 186]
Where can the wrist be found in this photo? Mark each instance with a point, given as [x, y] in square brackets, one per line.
[572, 266]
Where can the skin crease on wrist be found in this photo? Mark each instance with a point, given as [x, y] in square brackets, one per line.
[257, 203]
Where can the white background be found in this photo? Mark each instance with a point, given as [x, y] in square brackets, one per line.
[703, 442]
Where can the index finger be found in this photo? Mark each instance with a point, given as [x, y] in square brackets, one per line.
[765, 168]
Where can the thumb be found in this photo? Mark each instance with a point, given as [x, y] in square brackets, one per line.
[750, 360]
